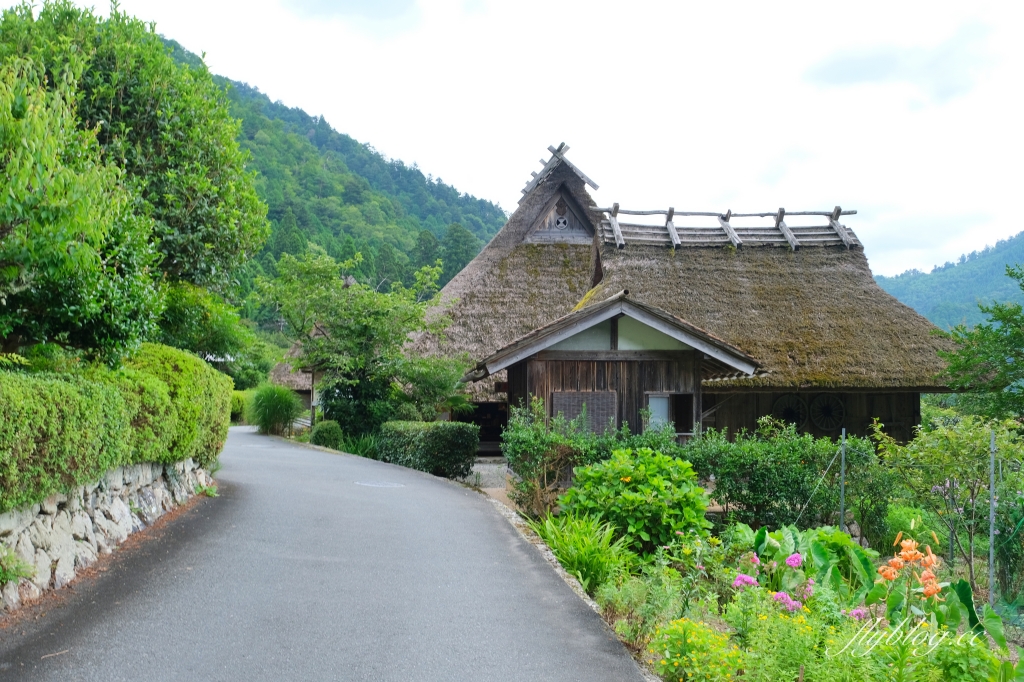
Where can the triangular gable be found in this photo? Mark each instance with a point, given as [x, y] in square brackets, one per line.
[561, 221]
[557, 159]
[716, 350]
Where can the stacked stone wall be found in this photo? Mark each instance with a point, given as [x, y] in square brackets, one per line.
[65, 534]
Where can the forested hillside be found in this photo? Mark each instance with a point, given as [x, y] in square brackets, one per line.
[949, 294]
[324, 187]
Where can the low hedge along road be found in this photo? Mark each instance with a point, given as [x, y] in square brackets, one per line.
[317, 566]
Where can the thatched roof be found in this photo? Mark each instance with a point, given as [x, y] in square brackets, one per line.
[514, 286]
[813, 318]
[800, 300]
[283, 374]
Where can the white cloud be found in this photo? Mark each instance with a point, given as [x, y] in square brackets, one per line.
[909, 112]
[944, 71]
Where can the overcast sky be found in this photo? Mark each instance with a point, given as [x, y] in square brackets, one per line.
[910, 113]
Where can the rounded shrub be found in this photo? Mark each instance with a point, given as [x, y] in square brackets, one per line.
[406, 412]
[200, 396]
[646, 495]
[327, 434]
[441, 448]
[273, 408]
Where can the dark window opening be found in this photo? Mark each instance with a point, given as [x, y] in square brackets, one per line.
[675, 407]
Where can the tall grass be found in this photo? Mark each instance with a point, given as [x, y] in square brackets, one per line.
[273, 408]
[364, 446]
[585, 547]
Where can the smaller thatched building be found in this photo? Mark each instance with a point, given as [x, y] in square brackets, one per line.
[829, 349]
[300, 381]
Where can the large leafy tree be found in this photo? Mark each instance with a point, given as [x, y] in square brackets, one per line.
[74, 257]
[460, 247]
[354, 334]
[167, 125]
[200, 321]
[987, 366]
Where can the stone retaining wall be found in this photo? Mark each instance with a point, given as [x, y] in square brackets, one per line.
[66, 533]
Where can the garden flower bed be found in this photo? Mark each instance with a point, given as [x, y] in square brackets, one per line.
[695, 601]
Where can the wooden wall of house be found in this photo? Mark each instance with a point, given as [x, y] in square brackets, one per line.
[631, 374]
[899, 412]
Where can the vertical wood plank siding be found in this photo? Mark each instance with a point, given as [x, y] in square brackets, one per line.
[631, 379]
[898, 412]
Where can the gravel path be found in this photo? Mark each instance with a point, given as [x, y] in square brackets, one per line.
[319, 566]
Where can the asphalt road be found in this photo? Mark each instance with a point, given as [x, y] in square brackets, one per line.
[316, 566]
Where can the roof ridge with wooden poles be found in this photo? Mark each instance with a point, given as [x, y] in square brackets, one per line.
[617, 232]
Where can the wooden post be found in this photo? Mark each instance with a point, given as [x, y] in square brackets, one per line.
[780, 223]
[842, 485]
[672, 234]
[723, 220]
[992, 521]
[616, 230]
[698, 398]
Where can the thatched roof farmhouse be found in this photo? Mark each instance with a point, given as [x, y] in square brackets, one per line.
[831, 349]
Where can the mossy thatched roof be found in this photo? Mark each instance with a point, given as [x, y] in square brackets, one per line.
[812, 318]
[513, 287]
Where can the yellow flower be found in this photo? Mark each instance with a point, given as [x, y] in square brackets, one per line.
[626, 479]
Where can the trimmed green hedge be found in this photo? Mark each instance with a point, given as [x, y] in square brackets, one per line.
[327, 434]
[58, 431]
[441, 448]
[201, 397]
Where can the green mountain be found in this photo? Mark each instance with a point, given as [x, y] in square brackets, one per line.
[950, 293]
[324, 187]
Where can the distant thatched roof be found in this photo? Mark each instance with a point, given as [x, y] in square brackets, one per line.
[801, 301]
[284, 374]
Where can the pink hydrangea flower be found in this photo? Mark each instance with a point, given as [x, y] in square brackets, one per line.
[794, 560]
[754, 559]
[743, 580]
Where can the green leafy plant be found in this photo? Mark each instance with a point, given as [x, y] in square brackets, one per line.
[947, 469]
[586, 548]
[787, 558]
[354, 335]
[649, 497]
[441, 448]
[687, 650]
[74, 258]
[637, 605]
[239, 405]
[913, 522]
[12, 568]
[771, 477]
[327, 434]
[366, 445]
[207, 490]
[274, 408]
